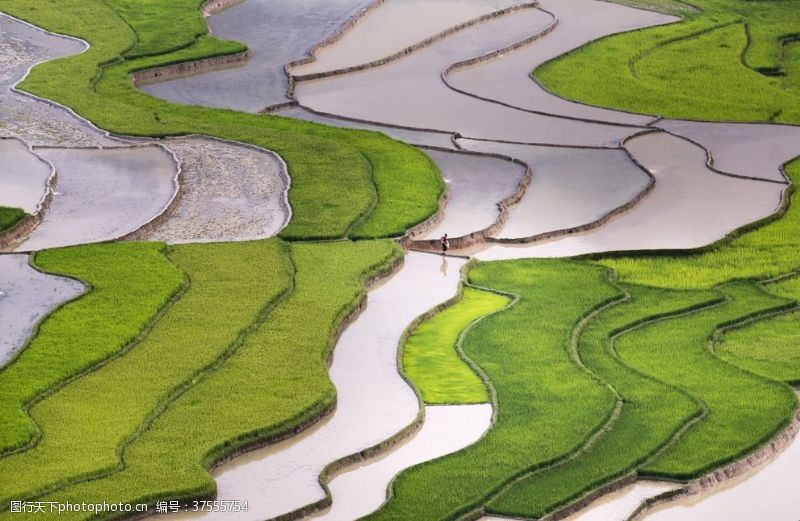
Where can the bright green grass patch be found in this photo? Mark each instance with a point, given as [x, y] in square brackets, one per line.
[702, 68]
[430, 359]
[765, 252]
[733, 425]
[344, 182]
[10, 217]
[547, 406]
[651, 415]
[129, 283]
[276, 381]
[768, 347]
[86, 423]
[147, 19]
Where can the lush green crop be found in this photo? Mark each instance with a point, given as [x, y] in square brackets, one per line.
[722, 63]
[677, 352]
[430, 359]
[344, 182]
[768, 347]
[547, 405]
[767, 251]
[86, 423]
[10, 216]
[275, 381]
[129, 283]
[652, 412]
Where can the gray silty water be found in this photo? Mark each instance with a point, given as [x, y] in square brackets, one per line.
[284, 476]
[229, 191]
[690, 206]
[753, 150]
[34, 121]
[414, 137]
[276, 32]
[508, 78]
[410, 92]
[475, 184]
[26, 296]
[570, 186]
[102, 194]
[23, 176]
[395, 25]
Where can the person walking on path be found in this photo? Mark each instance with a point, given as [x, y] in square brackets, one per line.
[445, 243]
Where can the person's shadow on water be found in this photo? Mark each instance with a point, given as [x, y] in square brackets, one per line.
[443, 267]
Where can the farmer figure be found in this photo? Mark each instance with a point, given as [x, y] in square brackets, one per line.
[445, 243]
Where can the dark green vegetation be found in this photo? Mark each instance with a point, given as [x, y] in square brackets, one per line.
[129, 283]
[228, 286]
[430, 357]
[648, 395]
[770, 347]
[731, 60]
[344, 182]
[547, 405]
[9, 217]
[258, 366]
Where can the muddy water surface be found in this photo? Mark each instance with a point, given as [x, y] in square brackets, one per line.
[103, 194]
[283, 477]
[508, 78]
[276, 32]
[414, 137]
[743, 149]
[690, 206]
[396, 25]
[570, 186]
[769, 492]
[447, 429]
[24, 177]
[26, 296]
[410, 91]
[229, 192]
[476, 185]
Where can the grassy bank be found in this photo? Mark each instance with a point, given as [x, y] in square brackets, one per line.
[129, 283]
[547, 406]
[273, 382]
[9, 217]
[344, 182]
[85, 424]
[726, 61]
[430, 359]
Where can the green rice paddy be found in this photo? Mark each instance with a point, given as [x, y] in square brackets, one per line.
[599, 369]
[430, 357]
[731, 60]
[9, 217]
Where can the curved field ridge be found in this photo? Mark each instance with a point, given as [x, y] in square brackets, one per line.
[447, 429]
[26, 297]
[129, 283]
[389, 94]
[722, 63]
[430, 358]
[228, 191]
[291, 477]
[686, 192]
[103, 194]
[272, 37]
[506, 78]
[26, 178]
[250, 407]
[219, 278]
[344, 182]
[768, 347]
[536, 387]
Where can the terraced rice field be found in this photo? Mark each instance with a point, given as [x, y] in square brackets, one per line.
[233, 301]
